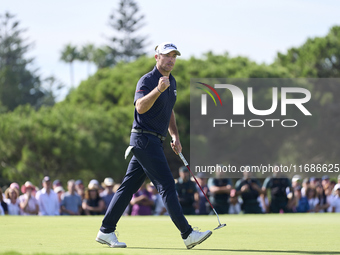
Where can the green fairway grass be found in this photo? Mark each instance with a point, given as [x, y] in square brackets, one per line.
[244, 234]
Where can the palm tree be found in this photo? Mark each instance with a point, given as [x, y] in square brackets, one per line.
[68, 55]
[104, 57]
[87, 54]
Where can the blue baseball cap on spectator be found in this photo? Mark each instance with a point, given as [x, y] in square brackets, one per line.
[306, 180]
[325, 177]
[78, 182]
[57, 183]
[183, 169]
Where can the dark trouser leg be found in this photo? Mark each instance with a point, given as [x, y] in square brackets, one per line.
[133, 179]
[156, 167]
[148, 159]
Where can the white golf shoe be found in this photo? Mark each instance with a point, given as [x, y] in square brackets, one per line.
[109, 239]
[196, 237]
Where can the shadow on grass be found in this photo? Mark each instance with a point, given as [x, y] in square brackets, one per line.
[247, 251]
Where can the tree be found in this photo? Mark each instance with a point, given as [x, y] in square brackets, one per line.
[50, 86]
[68, 55]
[87, 54]
[103, 57]
[317, 57]
[85, 136]
[126, 21]
[18, 84]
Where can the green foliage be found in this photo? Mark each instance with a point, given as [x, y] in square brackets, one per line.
[102, 57]
[85, 136]
[123, 46]
[18, 84]
[111, 87]
[318, 57]
[63, 141]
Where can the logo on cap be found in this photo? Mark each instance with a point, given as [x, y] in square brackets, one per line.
[170, 45]
[166, 47]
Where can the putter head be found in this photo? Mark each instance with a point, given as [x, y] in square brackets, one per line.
[220, 226]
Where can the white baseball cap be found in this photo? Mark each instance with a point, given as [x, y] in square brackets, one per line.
[296, 178]
[93, 185]
[166, 47]
[58, 189]
[108, 181]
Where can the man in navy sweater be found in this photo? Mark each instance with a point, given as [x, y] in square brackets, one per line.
[154, 100]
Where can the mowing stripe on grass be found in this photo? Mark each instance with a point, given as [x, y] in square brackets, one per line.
[244, 234]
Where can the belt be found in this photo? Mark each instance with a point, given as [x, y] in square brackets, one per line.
[148, 132]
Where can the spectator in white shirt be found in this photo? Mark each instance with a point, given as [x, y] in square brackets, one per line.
[12, 200]
[336, 201]
[48, 199]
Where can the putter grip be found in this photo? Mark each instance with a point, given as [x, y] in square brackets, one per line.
[183, 159]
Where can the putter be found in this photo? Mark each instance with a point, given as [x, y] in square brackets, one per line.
[187, 165]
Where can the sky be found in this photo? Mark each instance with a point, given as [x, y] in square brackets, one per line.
[257, 29]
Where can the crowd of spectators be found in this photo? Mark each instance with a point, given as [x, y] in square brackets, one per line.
[248, 195]
[275, 194]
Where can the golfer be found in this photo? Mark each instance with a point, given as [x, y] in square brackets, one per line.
[155, 97]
